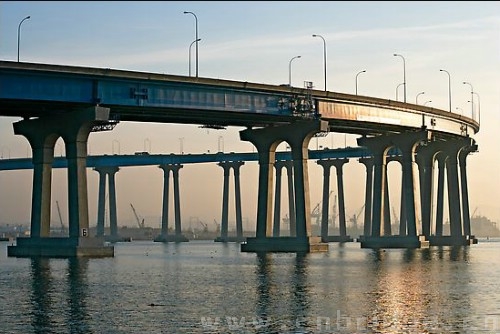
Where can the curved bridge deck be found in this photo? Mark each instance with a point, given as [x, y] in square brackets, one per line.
[32, 90]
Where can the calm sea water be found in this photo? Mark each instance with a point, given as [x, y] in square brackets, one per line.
[207, 287]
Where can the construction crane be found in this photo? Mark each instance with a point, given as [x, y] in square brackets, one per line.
[60, 217]
[139, 221]
[354, 219]
[474, 212]
[205, 226]
[316, 211]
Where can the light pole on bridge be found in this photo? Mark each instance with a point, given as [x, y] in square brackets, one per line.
[290, 70]
[324, 55]
[478, 107]
[220, 144]
[181, 145]
[449, 87]
[416, 97]
[190, 45]
[196, 38]
[19, 35]
[471, 97]
[363, 71]
[397, 90]
[113, 146]
[404, 74]
[148, 147]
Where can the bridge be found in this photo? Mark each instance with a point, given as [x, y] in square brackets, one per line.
[108, 165]
[72, 102]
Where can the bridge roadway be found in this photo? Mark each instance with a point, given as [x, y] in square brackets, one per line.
[147, 159]
[71, 102]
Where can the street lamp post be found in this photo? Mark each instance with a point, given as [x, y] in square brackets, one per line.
[196, 38]
[416, 98]
[363, 71]
[397, 90]
[19, 35]
[449, 87]
[113, 145]
[190, 45]
[404, 74]
[430, 101]
[324, 55]
[471, 98]
[147, 141]
[181, 145]
[478, 107]
[220, 144]
[290, 70]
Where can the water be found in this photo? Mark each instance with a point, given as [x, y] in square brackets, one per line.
[207, 287]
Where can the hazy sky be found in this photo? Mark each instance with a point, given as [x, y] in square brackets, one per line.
[254, 42]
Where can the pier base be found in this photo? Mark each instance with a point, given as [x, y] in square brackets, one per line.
[60, 247]
[394, 241]
[338, 238]
[285, 244]
[230, 239]
[112, 239]
[452, 241]
[171, 238]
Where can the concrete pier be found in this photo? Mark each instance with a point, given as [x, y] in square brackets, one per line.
[327, 164]
[42, 134]
[285, 245]
[110, 173]
[394, 241]
[448, 240]
[61, 247]
[164, 236]
[224, 237]
[279, 165]
[379, 146]
[297, 135]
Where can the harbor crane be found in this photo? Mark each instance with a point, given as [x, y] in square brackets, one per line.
[139, 221]
[354, 218]
[205, 226]
[63, 228]
[316, 211]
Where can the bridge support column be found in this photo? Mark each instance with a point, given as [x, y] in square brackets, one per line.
[297, 135]
[288, 165]
[101, 202]
[224, 237]
[462, 156]
[452, 153]
[42, 133]
[278, 165]
[386, 223]
[164, 236]
[338, 163]
[367, 225]
[407, 143]
[441, 158]
[110, 172]
[426, 154]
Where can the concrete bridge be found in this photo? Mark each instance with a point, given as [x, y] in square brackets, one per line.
[72, 102]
